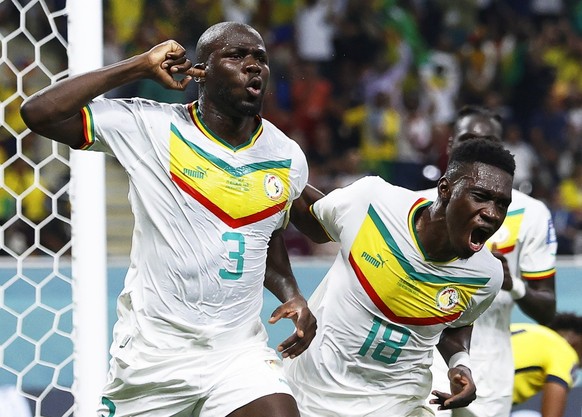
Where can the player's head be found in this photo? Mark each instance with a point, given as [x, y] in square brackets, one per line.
[476, 191]
[234, 58]
[569, 326]
[474, 122]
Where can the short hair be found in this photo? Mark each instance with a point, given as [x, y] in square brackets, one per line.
[481, 150]
[470, 109]
[566, 321]
[205, 46]
[474, 110]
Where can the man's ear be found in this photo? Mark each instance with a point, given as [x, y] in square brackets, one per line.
[200, 66]
[444, 189]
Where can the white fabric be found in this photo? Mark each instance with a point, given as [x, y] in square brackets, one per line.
[176, 296]
[490, 351]
[13, 403]
[363, 362]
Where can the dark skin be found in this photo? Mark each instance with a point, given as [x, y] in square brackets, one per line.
[475, 197]
[455, 340]
[233, 76]
[539, 301]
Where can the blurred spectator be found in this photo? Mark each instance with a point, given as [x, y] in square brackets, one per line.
[359, 35]
[314, 32]
[310, 97]
[480, 63]
[441, 79]
[414, 145]
[239, 10]
[567, 224]
[571, 190]
[526, 159]
[379, 124]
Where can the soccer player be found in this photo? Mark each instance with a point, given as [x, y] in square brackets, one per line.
[526, 244]
[211, 183]
[410, 274]
[551, 365]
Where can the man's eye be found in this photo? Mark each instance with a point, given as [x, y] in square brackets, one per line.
[479, 196]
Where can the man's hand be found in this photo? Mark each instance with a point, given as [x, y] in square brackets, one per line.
[462, 388]
[297, 310]
[507, 284]
[167, 60]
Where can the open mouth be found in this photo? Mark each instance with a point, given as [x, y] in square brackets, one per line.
[254, 87]
[478, 238]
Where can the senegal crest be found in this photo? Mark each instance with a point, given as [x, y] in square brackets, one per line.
[273, 186]
[447, 299]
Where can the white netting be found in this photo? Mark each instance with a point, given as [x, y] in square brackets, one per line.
[35, 277]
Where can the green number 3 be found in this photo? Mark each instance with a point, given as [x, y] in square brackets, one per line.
[234, 255]
[394, 338]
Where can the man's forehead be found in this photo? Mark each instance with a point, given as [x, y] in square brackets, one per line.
[478, 125]
[238, 37]
[489, 177]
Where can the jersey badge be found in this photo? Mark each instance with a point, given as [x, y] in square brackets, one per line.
[447, 299]
[273, 186]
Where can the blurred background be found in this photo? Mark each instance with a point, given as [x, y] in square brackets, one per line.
[364, 86]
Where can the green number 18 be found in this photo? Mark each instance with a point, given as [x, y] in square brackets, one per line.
[394, 338]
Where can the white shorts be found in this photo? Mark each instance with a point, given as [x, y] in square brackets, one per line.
[205, 383]
[314, 403]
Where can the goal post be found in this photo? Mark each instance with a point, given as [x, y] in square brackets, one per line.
[53, 257]
[88, 229]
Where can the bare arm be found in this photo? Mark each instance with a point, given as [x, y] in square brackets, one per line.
[539, 301]
[463, 390]
[54, 112]
[554, 397]
[303, 219]
[279, 279]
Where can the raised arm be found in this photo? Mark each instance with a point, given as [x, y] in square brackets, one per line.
[54, 112]
[454, 348]
[303, 219]
[279, 280]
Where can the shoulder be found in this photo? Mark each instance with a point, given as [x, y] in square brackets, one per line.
[531, 206]
[484, 262]
[279, 139]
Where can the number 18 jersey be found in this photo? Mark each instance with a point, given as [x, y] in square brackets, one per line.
[382, 306]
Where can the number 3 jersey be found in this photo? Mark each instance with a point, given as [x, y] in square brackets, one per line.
[383, 305]
[204, 214]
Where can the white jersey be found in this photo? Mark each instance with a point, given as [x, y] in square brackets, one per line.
[382, 306]
[204, 214]
[527, 240]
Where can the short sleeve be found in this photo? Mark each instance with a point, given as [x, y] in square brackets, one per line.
[343, 203]
[538, 254]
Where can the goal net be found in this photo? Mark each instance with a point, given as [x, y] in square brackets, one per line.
[52, 316]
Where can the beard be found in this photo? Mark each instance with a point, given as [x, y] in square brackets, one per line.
[239, 106]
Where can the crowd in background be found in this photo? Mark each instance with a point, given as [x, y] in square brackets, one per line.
[372, 86]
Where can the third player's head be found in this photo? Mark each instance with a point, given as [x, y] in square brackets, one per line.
[474, 122]
[234, 58]
[476, 192]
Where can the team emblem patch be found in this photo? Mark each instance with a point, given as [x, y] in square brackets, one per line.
[273, 186]
[447, 299]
